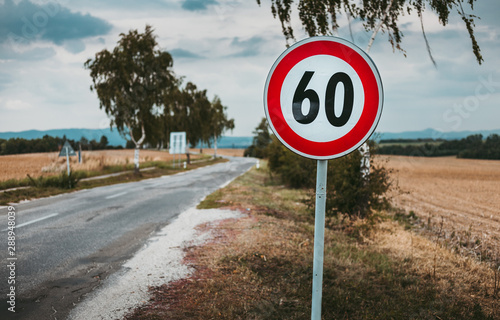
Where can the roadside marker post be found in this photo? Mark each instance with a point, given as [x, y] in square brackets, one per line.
[322, 99]
[67, 151]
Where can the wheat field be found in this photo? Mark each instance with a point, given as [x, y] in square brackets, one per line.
[49, 163]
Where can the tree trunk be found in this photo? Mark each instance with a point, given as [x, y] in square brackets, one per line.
[136, 159]
[215, 147]
[138, 144]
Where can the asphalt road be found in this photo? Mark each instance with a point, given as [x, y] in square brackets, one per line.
[66, 245]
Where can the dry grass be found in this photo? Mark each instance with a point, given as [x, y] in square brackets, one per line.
[471, 282]
[37, 164]
[260, 267]
[17, 166]
[224, 152]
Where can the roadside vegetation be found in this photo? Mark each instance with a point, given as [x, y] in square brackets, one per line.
[16, 190]
[379, 267]
[50, 144]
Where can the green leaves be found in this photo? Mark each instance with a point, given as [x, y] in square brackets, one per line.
[132, 80]
[319, 17]
[139, 91]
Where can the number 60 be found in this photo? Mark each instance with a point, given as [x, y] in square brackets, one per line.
[301, 94]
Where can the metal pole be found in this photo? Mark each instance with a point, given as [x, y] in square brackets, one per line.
[319, 239]
[67, 160]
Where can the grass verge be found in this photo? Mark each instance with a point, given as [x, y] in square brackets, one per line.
[260, 267]
[52, 185]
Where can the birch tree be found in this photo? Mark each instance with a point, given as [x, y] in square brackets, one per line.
[131, 83]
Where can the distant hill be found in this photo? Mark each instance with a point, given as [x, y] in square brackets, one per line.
[113, 136]
[115, 139]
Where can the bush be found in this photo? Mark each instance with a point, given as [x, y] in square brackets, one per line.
[294, 170]
[260, 142]
[62, 181]
[347, 191]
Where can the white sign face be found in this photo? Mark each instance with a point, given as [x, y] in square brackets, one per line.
[323, 97]
[177, 143]
[321, 130]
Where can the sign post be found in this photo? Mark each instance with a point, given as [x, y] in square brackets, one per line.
[67, 150]
[323, 99]
[177, 144]
[319, 238]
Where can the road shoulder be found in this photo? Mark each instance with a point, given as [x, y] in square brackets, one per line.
[159, 262]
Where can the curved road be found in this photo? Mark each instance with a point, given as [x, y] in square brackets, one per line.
[65, 245]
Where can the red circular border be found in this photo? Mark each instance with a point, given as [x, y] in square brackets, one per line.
[368, 117]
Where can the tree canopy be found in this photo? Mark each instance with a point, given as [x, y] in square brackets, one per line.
[320, 17]
[191, 110]
[132, 81]
[138, 90]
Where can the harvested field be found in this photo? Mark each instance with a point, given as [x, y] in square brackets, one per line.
[37, 164]
[225, 152]
[459, 196]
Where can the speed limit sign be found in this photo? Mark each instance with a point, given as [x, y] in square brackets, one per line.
[323, 97]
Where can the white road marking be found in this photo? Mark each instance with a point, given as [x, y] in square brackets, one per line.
[34, 221]
[116, 195]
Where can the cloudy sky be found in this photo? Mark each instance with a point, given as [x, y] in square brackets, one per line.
[228, 48]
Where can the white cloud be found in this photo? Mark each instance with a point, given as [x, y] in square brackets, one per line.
[17, 105]
[228, 49]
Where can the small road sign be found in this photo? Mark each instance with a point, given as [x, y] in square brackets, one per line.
[177, 142]
[323, 97]
[67, 149]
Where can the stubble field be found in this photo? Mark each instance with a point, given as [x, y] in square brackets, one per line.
[458, 198]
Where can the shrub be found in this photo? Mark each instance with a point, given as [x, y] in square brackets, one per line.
[61, 181]
[347, 191]
[260, 142]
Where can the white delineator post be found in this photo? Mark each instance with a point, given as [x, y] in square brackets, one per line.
[67, 160]
[319, 239]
